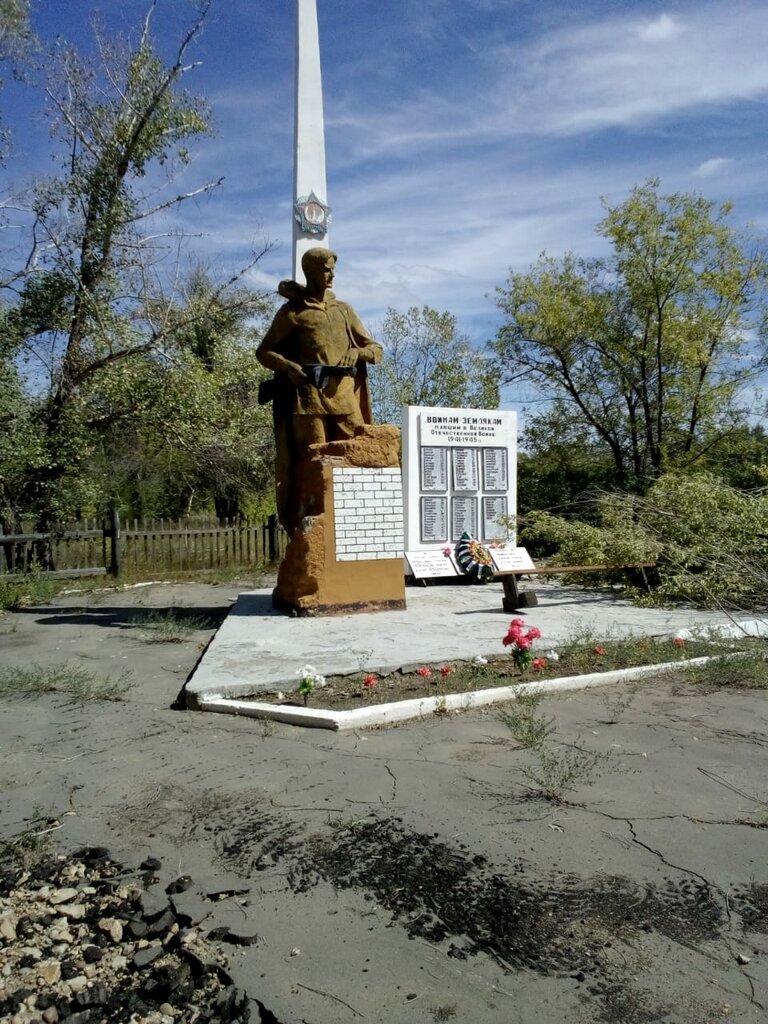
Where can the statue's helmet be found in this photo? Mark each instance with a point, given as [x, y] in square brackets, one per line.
[315, 259]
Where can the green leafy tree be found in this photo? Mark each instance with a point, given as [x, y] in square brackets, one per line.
[200, 439]
[647, 351]
[427, 362]
[20, 446]
[15, 40]
[556, 465]
[90, 302]
[14, 27]
[739, 457]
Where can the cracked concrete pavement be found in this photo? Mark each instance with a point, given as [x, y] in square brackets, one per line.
[678, 810]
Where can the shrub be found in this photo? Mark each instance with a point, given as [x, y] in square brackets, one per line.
[709, 540]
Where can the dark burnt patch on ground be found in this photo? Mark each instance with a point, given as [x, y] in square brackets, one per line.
[254, 840]
[587, 929]
[446, 894]
[751, 902]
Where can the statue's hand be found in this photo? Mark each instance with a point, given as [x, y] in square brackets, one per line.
[295, 374]
[364, 354]
[372, 353]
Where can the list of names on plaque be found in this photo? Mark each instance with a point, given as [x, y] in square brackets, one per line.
[495, 469]
[460, 470]
[463, 517]
[493, 509]
[434, 469]
[434, 520]
[465, 469]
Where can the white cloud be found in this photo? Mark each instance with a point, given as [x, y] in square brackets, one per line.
[604, 73]
[616, 71]
[663, 28]
[711, 168]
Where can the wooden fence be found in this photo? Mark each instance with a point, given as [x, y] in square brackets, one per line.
[141, 547]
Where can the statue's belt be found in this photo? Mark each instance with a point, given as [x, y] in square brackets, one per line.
[318, 375]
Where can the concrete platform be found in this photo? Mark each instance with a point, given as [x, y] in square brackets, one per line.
[258, 649]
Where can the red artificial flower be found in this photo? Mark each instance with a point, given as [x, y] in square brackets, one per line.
[370, 681]
[446, 670]
[424, 671]
[678, 641]
[598, 650]
[539, 663]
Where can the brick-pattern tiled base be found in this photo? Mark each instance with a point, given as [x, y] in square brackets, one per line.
[368, 510]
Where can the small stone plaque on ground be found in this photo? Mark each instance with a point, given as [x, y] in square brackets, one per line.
[431, 564]
[508, 558]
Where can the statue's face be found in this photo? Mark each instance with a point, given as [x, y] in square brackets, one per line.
[320, 275]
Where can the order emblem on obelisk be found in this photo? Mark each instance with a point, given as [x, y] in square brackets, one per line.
[312, 214]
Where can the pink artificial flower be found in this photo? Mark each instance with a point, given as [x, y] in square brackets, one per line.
[598, 650]
[538, 663]
[424, 671]
[370, 681]
[678, 641]
[446, 670]
[524, 642]
[534, 633]
[447, 552]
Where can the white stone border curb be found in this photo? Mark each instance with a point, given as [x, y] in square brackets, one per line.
[377, 715]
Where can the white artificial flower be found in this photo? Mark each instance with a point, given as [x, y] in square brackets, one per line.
[553, 656]
[310, 673]
[480, 660]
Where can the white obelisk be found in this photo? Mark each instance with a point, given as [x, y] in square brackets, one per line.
[311, 212]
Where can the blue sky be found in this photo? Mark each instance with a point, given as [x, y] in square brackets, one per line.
[462, 138]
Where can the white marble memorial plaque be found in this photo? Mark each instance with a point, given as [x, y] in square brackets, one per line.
[495, 469]
[434, 469]
[453, 454]
[434, 520]
[431, 564]
[463, 517]
[465, 469]
[511, 558]
[493, 509]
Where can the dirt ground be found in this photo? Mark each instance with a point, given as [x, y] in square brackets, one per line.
[422, 873]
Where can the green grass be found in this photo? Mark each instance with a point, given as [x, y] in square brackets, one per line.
[559, 769]
[585, 652]
[578, 655]
[529, 728]
[71, 680]
[15, 594]
[747, 671]
[170, 627]
[22, 852]
[35, 589]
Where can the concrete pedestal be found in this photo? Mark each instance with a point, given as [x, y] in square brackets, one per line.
[347, 553]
